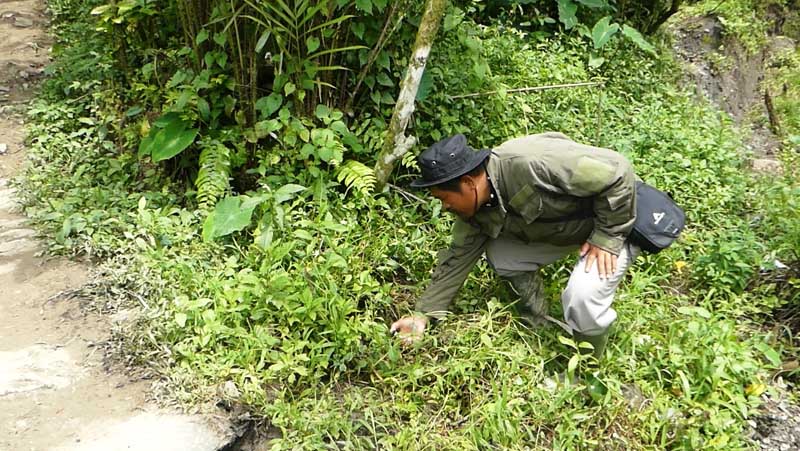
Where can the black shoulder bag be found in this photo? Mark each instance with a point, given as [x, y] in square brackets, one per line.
[659, 220]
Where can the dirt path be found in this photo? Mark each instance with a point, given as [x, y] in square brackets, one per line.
[55, 393]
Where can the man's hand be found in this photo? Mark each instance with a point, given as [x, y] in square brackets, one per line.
[410, 328]
[606, 261]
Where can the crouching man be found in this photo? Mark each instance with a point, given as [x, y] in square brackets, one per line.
[526, 204]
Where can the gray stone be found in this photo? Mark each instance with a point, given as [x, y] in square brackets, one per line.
[4, 88]
[23, 22]
[9, 224]
[767, 165]
[7, 268]
[149, 431]
[3, 148]
[16, 234]
[16, 247]
[8, 201]
[34, 368]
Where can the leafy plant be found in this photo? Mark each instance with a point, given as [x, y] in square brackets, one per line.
[169, 136]
[212, 180]
[354, 174]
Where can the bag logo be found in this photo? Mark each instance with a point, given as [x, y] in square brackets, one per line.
[657, 217]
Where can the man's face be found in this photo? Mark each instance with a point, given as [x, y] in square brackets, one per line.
[461, 203]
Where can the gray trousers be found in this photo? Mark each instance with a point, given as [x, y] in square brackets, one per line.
[586, 300]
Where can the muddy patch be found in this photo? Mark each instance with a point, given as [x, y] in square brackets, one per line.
[725, 72]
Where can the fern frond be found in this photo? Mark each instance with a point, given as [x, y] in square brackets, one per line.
[354, 174]
[213, 177]
[410, 161]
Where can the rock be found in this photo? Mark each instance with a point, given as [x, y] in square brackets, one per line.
[780, 44]
[16, 247]
[8, 200]
[767, 165]
[23, 22]
[16, 234]
[149, 431]
[228, 391]
[4, 88]
[34, 368]
[3, 148]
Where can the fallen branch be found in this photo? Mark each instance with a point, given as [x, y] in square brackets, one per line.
[528, 89]
[405, 193]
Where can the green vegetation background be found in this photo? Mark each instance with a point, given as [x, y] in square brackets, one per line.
[215, 157]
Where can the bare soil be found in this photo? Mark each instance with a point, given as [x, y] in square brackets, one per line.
[723, 71]
[56, 391]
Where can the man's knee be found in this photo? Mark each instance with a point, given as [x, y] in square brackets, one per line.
[586, 309]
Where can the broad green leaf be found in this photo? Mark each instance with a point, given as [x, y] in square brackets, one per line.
[453, 18]
[133, 111]
[100, 10]
[287, 192]
[596, 387]
[596, 61]
[303, 235]
[171, 141]
[325, 154]
[772, 355]
[425, 86]
[203, 108]
[262, 41]
[572, 365]
[384, 80]
[567, 341]
[566, 13]
[289, 88]
[166, 119]
[145, 146]
[637, 38]
[264, 240]
[322, 111]
[364, 5]
[251, 202]
[202, 36]
[220, 39]
[264, 128]
[269, 104]
[181, 318]
[593, 3]
[312, 44]
[358, 29]
[603, 31]
[703, 313]
[228, 217]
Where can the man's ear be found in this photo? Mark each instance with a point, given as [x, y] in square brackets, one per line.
[469, 181]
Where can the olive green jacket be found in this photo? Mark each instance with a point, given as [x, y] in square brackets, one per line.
[544, 176]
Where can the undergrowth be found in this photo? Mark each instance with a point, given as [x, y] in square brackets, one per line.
[294, 308]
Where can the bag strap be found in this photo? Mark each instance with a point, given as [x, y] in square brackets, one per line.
[580, 214]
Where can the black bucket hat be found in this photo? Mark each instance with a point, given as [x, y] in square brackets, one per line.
[446, 160]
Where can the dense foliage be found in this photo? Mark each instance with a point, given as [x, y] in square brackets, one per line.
[201, 162]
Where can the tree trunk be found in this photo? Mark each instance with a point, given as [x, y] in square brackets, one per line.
[397, 143]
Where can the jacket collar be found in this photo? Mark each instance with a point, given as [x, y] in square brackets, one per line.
[491, 220]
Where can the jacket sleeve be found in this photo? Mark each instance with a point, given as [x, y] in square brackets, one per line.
[454, 264]
[603, 175]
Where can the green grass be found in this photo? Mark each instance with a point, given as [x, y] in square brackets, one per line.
[301, 326]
